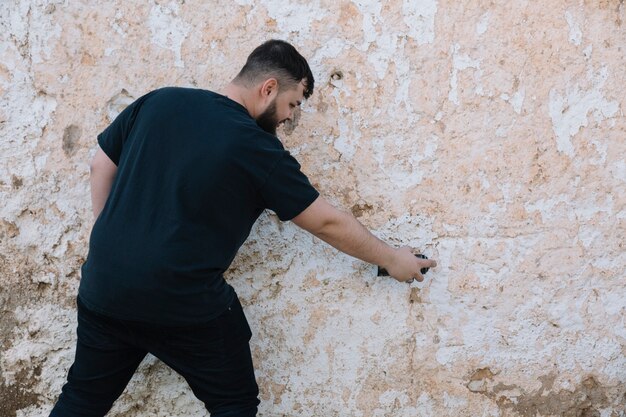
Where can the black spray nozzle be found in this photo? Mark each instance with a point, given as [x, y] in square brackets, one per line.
[382, 272]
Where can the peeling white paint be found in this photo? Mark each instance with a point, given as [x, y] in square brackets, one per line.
[371, 15]
[42, 41]
[613, 303]
[425, 405]
[453, 401]
[330, 49]
[562, 205]
[517, 100]
[22, 132]
[415, 231]
[569, 111]
[404, 79]
[618, 170]
[381, 56]
[483, 24]
[349, 137]
[294, 20]
[601, 148]
[119, 25]
[591, 206]
[46, 320]
[168, 29]
[588, 235]
[575, 34]
[419, 16]
[461, 62]
[402, 169]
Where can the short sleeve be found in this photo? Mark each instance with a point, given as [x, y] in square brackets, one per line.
[112, 139]
[287, 191]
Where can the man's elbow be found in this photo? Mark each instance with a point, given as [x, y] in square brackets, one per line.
[102, 165]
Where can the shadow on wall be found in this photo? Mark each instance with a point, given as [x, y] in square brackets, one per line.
[586, 400]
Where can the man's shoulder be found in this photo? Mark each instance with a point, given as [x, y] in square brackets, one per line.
[177, 91]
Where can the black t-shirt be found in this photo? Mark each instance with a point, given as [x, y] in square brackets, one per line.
[195, 171]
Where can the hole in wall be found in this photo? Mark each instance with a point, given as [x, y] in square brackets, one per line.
[336, 75]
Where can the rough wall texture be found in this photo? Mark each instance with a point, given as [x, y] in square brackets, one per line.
[490, 135]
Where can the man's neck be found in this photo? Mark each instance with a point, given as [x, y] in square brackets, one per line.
[237, 94]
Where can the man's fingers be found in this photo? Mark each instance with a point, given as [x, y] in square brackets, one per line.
[418, 277]
[424, 263]
[427, 263]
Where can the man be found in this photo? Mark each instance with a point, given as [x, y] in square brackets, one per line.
[180, 178]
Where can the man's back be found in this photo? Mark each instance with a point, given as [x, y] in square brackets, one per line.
[194, 173]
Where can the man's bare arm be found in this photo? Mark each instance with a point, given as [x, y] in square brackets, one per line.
[102, 174]
[344, 232]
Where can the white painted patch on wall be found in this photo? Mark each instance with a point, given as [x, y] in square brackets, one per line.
[483, 24]
[461, 62]
[587, 235]
[415, 231]
[295, 20]
[425, 405]
[602, 149]
[588, 208]
[41, 40]
[569, 111]
[403, 79]
[47, 320]
[118, 22]
[618, 169]
[24, 114]
[440, 297]
[419, 16]
[516, 100]
[168, 29]
[389, 397]
[452, 401]
[613, 302]
[371, 14]
[386, 48]
[547, 207]
[560, 205]
[575, 34]
[403, 170]
[330, 49]
[445, 355]
[348, 139]
[118, 103]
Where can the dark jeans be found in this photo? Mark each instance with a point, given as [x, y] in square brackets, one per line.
[214, 358]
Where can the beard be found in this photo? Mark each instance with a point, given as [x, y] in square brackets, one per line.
[268, 120]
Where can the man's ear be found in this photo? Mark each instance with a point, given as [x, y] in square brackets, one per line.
[269, 88]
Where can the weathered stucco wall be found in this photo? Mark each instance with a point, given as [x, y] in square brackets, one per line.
[490, 135]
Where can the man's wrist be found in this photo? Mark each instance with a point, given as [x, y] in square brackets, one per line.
[389, 256]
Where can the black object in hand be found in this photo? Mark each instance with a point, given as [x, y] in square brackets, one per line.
[382, 272]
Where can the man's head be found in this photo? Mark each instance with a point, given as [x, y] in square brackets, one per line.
[279, 78]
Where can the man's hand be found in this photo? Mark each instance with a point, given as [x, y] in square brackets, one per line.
[405, 266]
